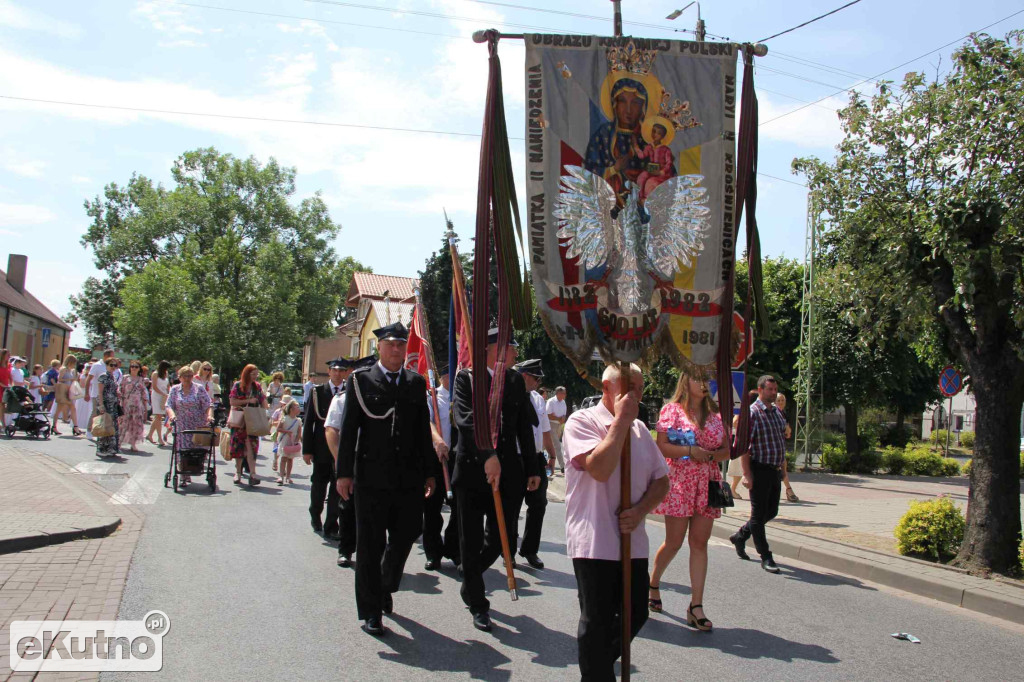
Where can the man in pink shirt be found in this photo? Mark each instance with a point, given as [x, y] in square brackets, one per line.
[592, 441]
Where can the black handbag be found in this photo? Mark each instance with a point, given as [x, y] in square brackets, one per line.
[719, 495]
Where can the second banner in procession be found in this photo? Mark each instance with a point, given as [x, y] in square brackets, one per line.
[630, 175]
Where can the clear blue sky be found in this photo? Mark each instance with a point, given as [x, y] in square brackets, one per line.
[399, 64]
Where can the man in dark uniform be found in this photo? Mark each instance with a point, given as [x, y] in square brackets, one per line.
[316, 452]
[385, 456]
[536, 500]
[346, 508]
[511, 469]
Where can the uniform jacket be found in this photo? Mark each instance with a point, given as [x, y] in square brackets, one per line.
[392, 453]
[314, 439]
[517, 420]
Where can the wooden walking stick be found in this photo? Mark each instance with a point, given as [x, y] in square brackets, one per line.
[625, 469]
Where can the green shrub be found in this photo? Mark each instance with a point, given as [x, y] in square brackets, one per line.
[967, 439]
[869, 433]
[939, 436]
[834, 458]
[921, 461]
[966, 470]
[1020, 470]
[1021, 553]
[894, 461]
[932, 529]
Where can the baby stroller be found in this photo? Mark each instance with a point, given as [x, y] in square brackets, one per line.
[191, 461]
[28, 416]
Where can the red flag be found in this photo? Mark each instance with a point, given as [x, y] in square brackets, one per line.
[462, 327]
[416, 352]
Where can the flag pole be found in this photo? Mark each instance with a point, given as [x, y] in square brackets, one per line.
[424, 333]
[459, 290]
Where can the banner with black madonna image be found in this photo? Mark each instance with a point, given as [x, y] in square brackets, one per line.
[631, 154]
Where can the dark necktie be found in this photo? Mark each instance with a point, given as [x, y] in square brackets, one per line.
[337, 390]
[393, 378]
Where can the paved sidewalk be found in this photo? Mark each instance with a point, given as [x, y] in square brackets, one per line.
[64, 578]
[845, 524]
[45, 502]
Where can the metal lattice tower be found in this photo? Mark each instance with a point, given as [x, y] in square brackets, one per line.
[809, 422]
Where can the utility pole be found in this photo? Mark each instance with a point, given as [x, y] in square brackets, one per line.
[700, 26]
[809, 421]
[699, 31]
[617, 18]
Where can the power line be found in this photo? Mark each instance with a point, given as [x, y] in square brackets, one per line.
[879, 75]
[318, 21]
[790, 30]
[775, 177]
[803, 101]
[813, 64]
[265, 119]
[762, 67]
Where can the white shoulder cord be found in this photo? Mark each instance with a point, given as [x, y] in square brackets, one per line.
[371, 415]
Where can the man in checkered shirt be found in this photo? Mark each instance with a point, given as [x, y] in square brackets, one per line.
[762, 471]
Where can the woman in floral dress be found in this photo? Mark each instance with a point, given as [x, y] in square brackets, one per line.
[109, 446]
[692, 438]
[189, 407]
[246, 392]
[134, 404]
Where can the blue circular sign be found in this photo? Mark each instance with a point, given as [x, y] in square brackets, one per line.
[950, 381]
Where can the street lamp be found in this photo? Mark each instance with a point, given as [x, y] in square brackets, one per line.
[700, 32]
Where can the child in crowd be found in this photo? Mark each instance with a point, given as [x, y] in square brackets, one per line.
[289, 432]
[275, 419]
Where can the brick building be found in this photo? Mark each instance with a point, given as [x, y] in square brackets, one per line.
[30, 329]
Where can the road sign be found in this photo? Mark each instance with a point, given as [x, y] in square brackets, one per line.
[746, 348]
[46, 337]
[950, 381]
[739, 382]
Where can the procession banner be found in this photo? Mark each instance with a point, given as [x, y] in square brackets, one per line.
[631, 181]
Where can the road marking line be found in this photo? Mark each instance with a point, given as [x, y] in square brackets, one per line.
[142, 488]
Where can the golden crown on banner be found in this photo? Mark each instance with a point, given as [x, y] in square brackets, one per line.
[677, 112]
[631, 58]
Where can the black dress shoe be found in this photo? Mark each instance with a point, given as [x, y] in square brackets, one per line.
[387, 603]
[769, 565]
[741, 546]
[344, 560]
[317, 526]
[461, 572]
[373, 626]
[482, 621]
[533, 560]
[332, 535]
[432, 565]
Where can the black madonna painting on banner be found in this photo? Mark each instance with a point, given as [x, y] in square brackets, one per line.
[630, 175]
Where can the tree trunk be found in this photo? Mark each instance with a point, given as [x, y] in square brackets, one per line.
[900, 419]
[852, 441]
[993, 503]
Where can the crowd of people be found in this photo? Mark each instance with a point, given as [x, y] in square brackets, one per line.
[381, 441]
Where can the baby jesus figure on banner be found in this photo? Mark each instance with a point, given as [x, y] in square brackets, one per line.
[660, 165]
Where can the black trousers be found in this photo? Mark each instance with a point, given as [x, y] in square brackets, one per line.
[388, 523]
[346, 524]
[765, 488]
[536, 503]
[321, 485]
[479, 538]
[435, 544]
[599, 634]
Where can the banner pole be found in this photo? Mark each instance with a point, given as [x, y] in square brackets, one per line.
[625, 503]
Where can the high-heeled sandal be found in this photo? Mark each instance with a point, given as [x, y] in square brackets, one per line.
[654, 604]
[702, 624]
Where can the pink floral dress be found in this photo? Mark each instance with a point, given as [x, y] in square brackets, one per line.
[688, 494]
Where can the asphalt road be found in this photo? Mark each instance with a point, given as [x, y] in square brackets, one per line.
[253, 593]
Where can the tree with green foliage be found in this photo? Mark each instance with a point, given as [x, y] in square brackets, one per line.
[925, 205]
[220, 266]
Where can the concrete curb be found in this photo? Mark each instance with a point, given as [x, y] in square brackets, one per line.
[66, 480]
[103, 527]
